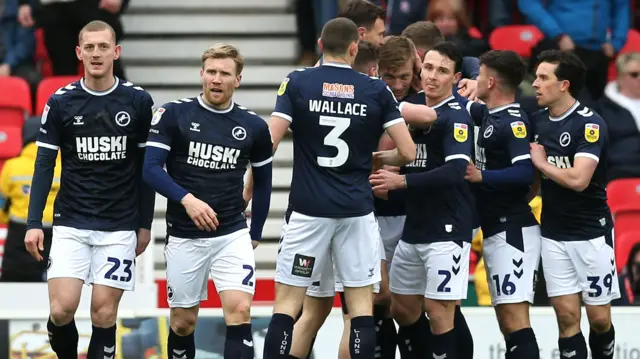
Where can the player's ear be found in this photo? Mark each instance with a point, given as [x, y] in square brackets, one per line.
[564, 85]
[118, 52]
[457, 76]
[320, 45]
[353, 49]
[361, 31]
[202, 76]
[237, 82]
[79, 53]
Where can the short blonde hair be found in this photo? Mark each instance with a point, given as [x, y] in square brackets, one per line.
[396, 52]
[95, 26]
[224, 51]
[625, 58]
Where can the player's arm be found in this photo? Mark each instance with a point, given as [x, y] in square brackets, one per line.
[282, 115]
[48, 143]
[520, 172]
[146, 194]
[534, 190]
[247, 191]
[396, 128]
[262, 166]
[585, 160]
[417, 115]
[477, 111]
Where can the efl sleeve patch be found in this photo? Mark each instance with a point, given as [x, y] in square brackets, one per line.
[157, 115]
[519, 129]
[460, 132]
[591, 132]
[283, 86]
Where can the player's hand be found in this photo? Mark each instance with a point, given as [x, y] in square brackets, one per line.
[394, 169]
[382, 194]
[34, 242]
[255, 244]
[112, 6]
[386, 181]
[468, 88]
[24, 16]
[608, 50]
[538, 154]
[566, 43]
[473, 175]
[200, 213]
[144, 237]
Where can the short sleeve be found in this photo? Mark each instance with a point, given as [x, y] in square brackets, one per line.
[163, 125]
[592, 141]
[516, 136]
[477, 111]
[284, 102]
[50, 124]
[262, 149]
[145, 115]
[389, 107]
[457, 142]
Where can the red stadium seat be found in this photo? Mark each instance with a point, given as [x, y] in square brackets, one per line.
[15, 101]
[518, 38]
[475, 33]
[632, 45]
[624, 201]
[42, 55]
[10, 141]
[47, 87]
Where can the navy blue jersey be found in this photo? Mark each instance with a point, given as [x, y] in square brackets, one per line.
[337, 117]
[442, 213]
[395, 206]
[209, 152]
[99, 135]
[568, 215]
[502, 140]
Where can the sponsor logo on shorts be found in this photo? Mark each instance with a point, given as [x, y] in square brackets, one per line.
[302, 266]
[48, 264]
[170, 293]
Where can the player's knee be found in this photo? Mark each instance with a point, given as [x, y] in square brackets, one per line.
[568, 318]
[184, 323]
[60, 313]
[600, 320]
[403, 313]
[103, 316]
[239, 313]
[440, 312]
[513, 317]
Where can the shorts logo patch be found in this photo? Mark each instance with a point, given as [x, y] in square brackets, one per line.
[519, 129]
[591, 132]
[460, 132]
[302, 266]
[170, 293]
[48, 264]
[283, 86]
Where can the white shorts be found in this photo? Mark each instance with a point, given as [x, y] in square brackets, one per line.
[328, 284]
[581, 266]
[229, 260]
[437, 270]
[391, 228]
[352, 244]
[511, 259]
[96, 257]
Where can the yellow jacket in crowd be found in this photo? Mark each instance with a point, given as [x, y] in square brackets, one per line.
[480, 276]
[15, 186]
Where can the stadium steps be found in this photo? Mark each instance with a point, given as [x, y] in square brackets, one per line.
[165, 40]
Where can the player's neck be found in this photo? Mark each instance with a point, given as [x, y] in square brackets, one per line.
[221, 107]
[499, 99]
[99, 84]
[558, 108]
[334, 59]
[436, 100]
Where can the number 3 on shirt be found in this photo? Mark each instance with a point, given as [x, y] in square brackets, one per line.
[339, 124]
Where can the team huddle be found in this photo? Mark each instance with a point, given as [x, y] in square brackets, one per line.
[403, 151]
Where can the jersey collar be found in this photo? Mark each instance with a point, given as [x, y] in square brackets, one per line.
[99, 93]
[443, 102]
[210, 108]
[504, 107]
[566, 114]
[336, 64]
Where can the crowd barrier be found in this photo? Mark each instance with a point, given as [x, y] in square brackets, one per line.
[143, 329]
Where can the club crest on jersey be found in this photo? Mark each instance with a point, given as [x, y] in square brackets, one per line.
[519, 129]
[338, 90]
[460, 132]
[157, 115]
[565, 139]
[239, 133]
[123, 118]
[591, 132]
[283, 86]
[488, 131]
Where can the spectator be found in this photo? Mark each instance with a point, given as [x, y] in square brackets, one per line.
[324, 10]
[629, 279]
[307, 35]
[402, 13]
[450, 16]
[62, 20]
[17, 46]
[500, 13]
[15, 183]
[581, 26]
[620, 108]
